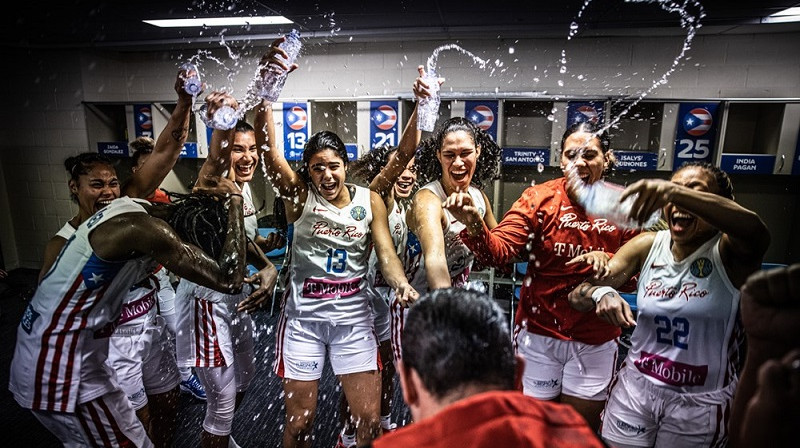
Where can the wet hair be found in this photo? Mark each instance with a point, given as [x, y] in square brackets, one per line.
[318, 142]
[200, 219]
[455, 337]
[487, 166]
[82, 163]
[142, 145]
[723, 181]
[600, 134]
[243, 126]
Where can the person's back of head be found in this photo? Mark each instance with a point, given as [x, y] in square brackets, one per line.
[456, 339]
[201, 220]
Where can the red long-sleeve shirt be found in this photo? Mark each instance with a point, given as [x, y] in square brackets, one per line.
[557, 230]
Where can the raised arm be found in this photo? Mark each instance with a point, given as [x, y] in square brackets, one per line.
[288, 183]
[388, 262]
[745, 236]
[219, 149]
[51, 251]
[158, 164]
[384, 181]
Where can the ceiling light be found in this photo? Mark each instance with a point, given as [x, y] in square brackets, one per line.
[787, 15]
[220, 21]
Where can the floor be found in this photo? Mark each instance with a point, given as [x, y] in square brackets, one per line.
[258, 422]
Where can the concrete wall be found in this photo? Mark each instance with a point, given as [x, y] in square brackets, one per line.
[44, 118]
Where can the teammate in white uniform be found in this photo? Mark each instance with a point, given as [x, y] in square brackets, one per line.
[93, 184]
[390, 172]
[326, 307]
[676, 385]
[210, 321]
[459, 157]
[58, 370]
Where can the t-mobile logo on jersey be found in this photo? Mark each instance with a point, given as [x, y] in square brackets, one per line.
[671, 372]
[573, 250]
[599, 225]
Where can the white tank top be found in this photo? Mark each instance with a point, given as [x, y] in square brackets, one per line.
[688, 332]
[139, 302]
[250, 218]
[329, 261]
[58, 342]
[459, 257]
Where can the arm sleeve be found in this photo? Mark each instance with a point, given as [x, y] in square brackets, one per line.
[497, 247]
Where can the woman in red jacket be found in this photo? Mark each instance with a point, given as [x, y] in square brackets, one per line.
[570, 356]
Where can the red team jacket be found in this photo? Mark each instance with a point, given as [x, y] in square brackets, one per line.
[493, 420]
[557, 229]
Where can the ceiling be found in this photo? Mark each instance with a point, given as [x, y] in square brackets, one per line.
[118, 25]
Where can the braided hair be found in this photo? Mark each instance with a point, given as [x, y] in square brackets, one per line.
[200, 219]
[724, 185]
[486, 168]
[82, 163]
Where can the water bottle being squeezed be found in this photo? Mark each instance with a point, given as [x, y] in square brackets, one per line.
[274, 78]
[428, 110]
[601, 199]
[224, 118]
[192, 84]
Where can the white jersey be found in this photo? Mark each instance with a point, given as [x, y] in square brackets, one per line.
[60, 352]
[688, 332]
[459, 257]
[329, 261]
[250, 218]
[66, 231]
[139, 302]
[209, 327]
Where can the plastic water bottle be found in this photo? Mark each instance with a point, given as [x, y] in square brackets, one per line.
[223, 119]
[275, 76]
[428, 110]
[192, 84]
[601, 200]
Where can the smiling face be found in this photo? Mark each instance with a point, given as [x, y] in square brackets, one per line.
[583, 153]
[458, 157]
[328, 172]
[95, 189]
[683, 226]
[405, 183]
[244, 156]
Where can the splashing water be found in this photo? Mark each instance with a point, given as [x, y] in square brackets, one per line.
[690, 12]
[433, 59]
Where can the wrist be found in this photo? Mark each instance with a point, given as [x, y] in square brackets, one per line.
[601, 291]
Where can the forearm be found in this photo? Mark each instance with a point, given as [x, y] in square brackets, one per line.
[495, 247]
[255, 255]
[741, 224]
[231, 260]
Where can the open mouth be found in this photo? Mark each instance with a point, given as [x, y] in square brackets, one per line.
[99, 205]
[328, 188]
[404, 187]
[460, 175]
[680, 221]
[245, 170]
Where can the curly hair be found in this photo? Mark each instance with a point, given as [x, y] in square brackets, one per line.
[487, 166]
[724, 184]
[82, 163]
[200, 219]
[369, 165]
